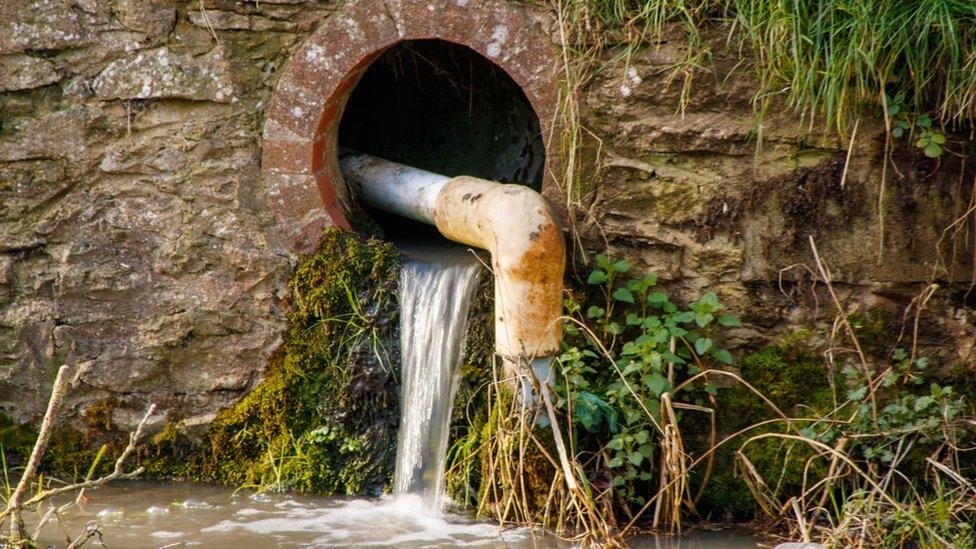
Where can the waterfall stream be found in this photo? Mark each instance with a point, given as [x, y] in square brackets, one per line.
[436, 287]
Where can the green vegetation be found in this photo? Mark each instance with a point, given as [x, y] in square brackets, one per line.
[325, 416]
[845, 452]
[796, 380]
[828, 59]
[618, 379]
[620, 390]
[885, 467]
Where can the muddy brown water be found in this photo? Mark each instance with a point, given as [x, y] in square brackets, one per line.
[144, 514]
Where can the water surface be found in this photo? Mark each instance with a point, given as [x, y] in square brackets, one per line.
[147, 514]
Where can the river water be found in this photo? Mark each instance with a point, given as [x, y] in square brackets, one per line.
[146, 514]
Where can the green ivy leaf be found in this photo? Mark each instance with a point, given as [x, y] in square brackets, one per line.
[671, 357]
[857, 394]
[933, 151]
[729, 321]
[722, 356]
[702, 320]
[657, 299]
[923, 402]
[684, 317]
[702, 345]
[595, 312]
[635, 457]
[621, 266]
[597, 277]
[656, 383]
[623, 294]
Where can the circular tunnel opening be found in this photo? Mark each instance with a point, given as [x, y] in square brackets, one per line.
[444, 108]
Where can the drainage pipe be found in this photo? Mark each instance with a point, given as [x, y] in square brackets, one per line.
[511, 221]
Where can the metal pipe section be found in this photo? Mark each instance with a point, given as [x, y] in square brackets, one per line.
[511, 221]
[392, 187]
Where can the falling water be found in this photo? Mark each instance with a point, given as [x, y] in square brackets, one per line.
[436, 285]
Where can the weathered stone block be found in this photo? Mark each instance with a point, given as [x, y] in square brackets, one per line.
[41, 25]
[163, 73]
[23, 72]
[152, 17]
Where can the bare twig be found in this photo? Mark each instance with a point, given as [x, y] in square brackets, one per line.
[14, 505]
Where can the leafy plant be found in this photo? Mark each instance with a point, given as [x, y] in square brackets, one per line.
[639, 346]
[929, 140]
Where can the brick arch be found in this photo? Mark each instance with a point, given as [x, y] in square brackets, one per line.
[299, 159]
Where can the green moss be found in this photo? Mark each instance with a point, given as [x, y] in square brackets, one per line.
[793, 378]
[325, 417]
[70, 452]
[873, 329]
[16, 439]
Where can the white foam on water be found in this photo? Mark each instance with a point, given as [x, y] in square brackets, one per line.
[164, 534]
[388, 521]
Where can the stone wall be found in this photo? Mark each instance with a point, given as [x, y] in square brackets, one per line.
[136, 237]
[711, 196]
[135, 234]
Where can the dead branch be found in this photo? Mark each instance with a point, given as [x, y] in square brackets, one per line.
[15, 505]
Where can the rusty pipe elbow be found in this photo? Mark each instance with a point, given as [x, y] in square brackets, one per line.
[528, 256]
[512, 222]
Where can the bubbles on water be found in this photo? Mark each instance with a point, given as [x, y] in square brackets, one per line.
[260, 497]
[164, 534]
[193, 503]
[154, 510]
[389, 521]
[111, 514]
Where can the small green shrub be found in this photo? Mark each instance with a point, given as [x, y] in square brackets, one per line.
[614, 376]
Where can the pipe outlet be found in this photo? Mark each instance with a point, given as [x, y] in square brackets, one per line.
[511, 221]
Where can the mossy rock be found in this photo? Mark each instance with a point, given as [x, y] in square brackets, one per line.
[791, 376]
[325, 418]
